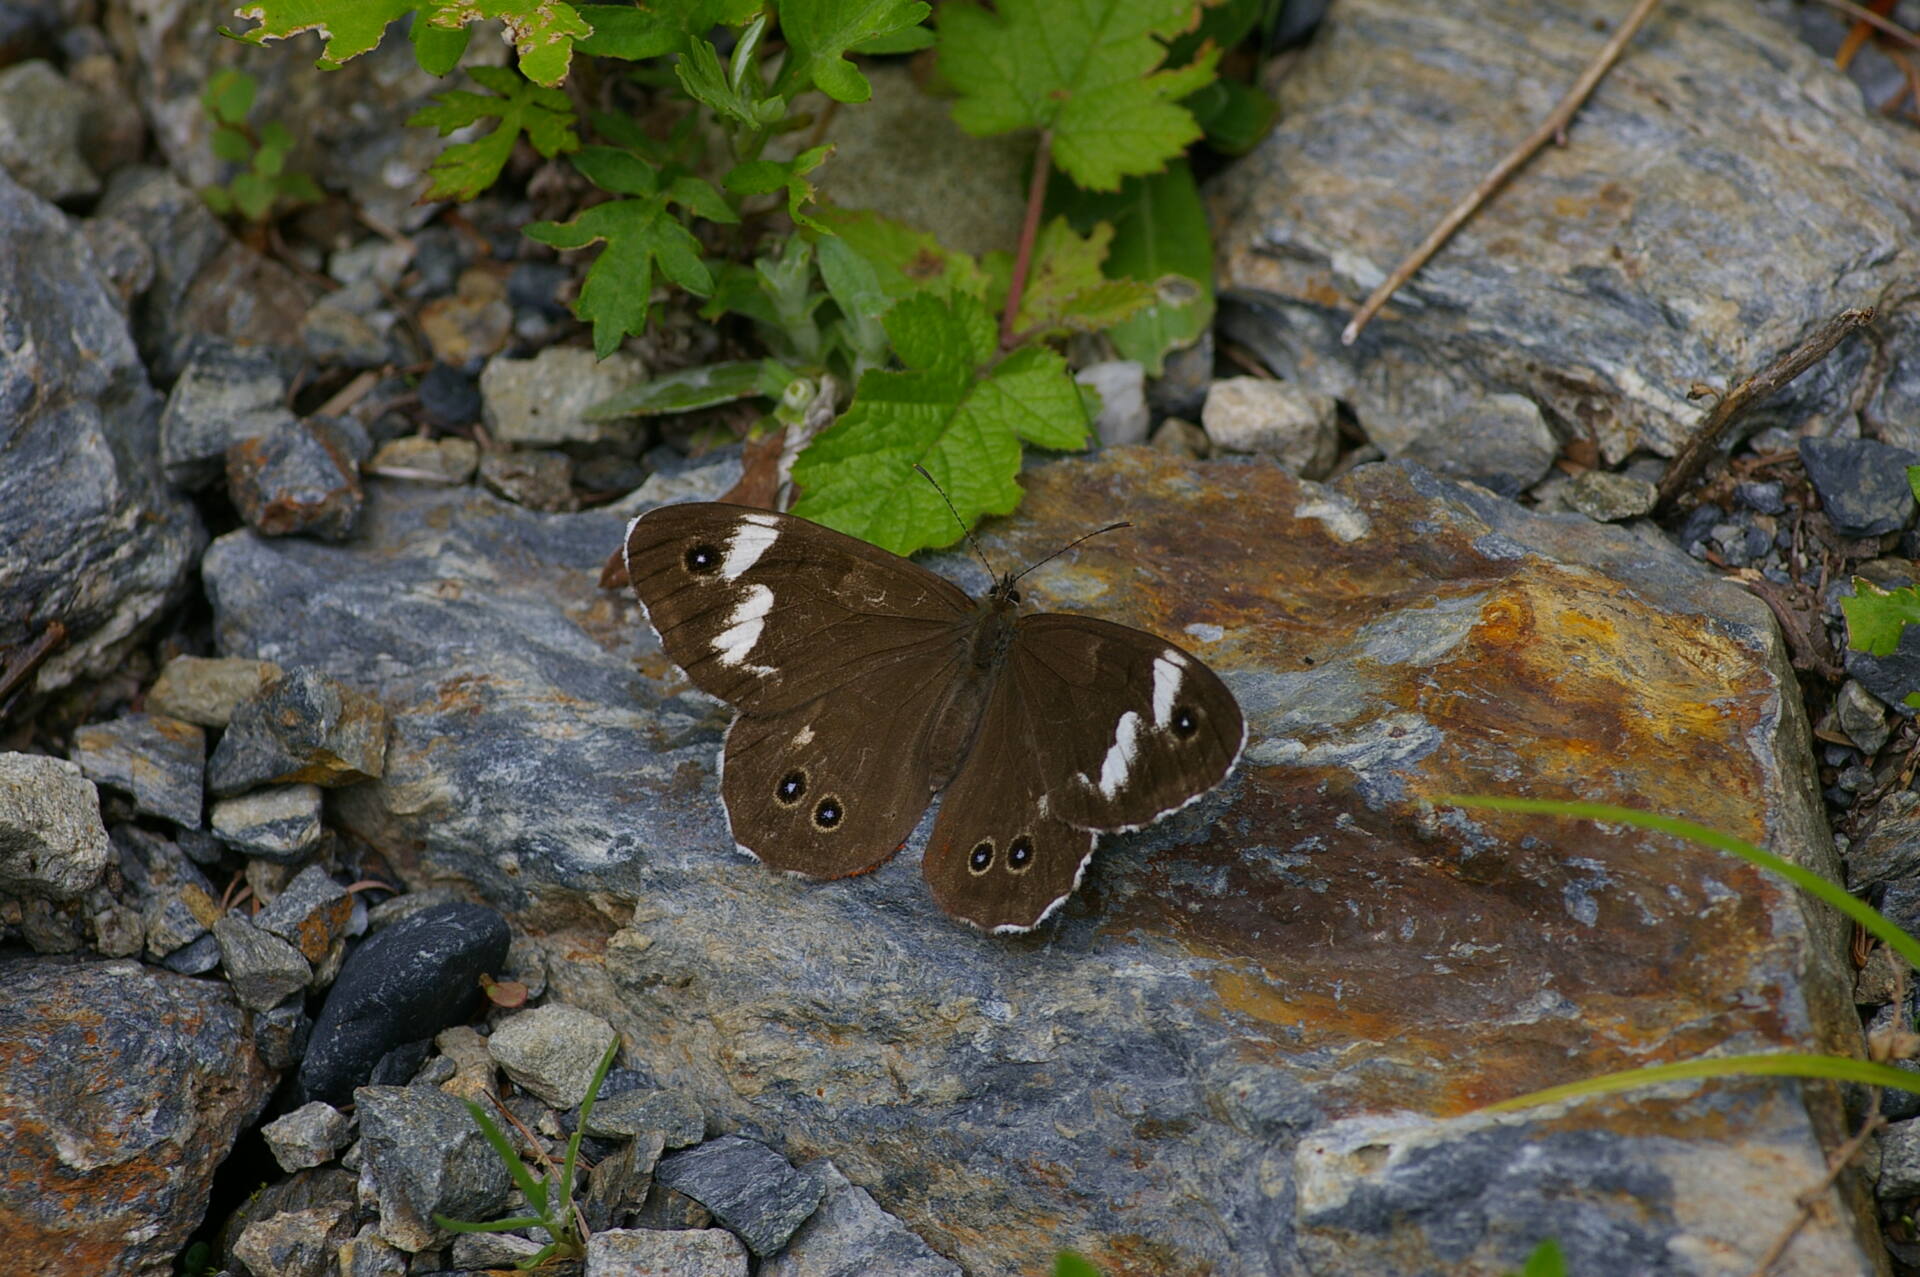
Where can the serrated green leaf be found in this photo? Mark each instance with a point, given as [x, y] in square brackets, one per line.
[465, 169]
[543, 33]
[698, 197]
[947, 411]
[688, 390]
[1084, 71]
[1224, 24]
[231, 145]
[1070, 1263]
[1066, 291]
[350, 27]
[437, 49]
[905, 40]
[622, 31]
[820, 33]
[639, 234]
[1234, 116]
[905, 261]
[763, 177]
[1876, 617]
[1160, 233]
[706, 81]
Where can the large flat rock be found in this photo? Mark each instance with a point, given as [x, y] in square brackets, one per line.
[1254, 1041]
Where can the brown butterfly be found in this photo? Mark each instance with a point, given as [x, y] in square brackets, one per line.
[866, 684]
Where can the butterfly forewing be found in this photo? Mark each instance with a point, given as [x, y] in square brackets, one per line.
[1091, 726]
[767, 611]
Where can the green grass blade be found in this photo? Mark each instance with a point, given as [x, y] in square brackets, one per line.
[491, 1226]
[1876, 923]
[1768, 1064]
[535, 1190]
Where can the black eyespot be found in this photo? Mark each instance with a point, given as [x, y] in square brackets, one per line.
[702, 559]
[1185, 721]
[792, 787]
[1020, 855]
[981, 860]
[828, 814]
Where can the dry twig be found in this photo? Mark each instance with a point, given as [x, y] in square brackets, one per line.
[1749, 393]
[1553, 127]
[1872, 19]
[20, 666]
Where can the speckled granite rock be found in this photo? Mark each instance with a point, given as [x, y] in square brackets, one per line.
[1566, 287]
[1180, 1072]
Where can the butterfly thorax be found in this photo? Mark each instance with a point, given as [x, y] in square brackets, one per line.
[956, 719]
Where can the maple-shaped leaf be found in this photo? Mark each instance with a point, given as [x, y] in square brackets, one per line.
[1084, 71]
[763, 177]
[465, 169]
[1160, 236]
[820, 32]
[349, 29]
[950, 410]
[543, 31]
[905, 260]
[640, 232]
[1066, 289]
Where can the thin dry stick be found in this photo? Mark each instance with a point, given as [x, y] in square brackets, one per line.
[20, 667]
[1873, 19]
[1809, 1200]
[1554, 126]
[1752, 391]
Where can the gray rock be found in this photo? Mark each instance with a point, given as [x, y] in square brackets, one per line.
[161, 761]
[1899, 1161]
[370, 1255]
[311, 914]
[850, 1236]
[205, 690]
[41, 116]
[449, 460]
[1862, 484]
[308, 1136]
[52, 926]
[280, 1033]
[644, 1252]
[295, 1243]
[224, 394]
[118, 931]
[263, 969]
[671, 1210]
[281, 822]
[1500, 442]
[1122, 384]
[1606, 497]
[294, 479]
[673, 1115]
[618, 1184]
[196, 957]
[1862, 717]
[491, 1251]
[1890, 849]
[1179, 438]
[538, 480]
[126, 1086]
[540, 402]
[1185, 1023]
[1558, 289]
[750, 1188]
[551, 1051]
[1893, 678]
[52, 840]
[303, 727]
[205, 283]
[94, 539]
[176, 901]
[425, 1156]
[1181, 388]
[351, 328]
[1279, 418]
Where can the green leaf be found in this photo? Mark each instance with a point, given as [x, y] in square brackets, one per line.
[1876, 617]
[231, 145]
[622, 31]
[763, 177]
[820, 32]
[229, 96]
[948, 411]
[275, 136]
[639, 234]
[1084, 71]
[855, 288]
[1545, 1261]
[905, 40]
[298, 188]
[737, 291]
[268, 161]
[543, 33]
[698, 197]
[1070, 1263]
[1234, 116]
[905, 261]
[707, 81]
[350, 28]
[617, 172]
[1913, 481]
[218, 199]
[465, 169]
[1160, 233]
[691, 389]
[1066, 291]
[437, 49]
[253, 195]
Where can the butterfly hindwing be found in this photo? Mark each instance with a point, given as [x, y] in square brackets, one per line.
[767, 611]
[1091, 726]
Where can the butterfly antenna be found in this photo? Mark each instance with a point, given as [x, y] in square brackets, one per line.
[964, 529]
[1111, 527]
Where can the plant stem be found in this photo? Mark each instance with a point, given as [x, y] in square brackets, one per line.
[1029, 232]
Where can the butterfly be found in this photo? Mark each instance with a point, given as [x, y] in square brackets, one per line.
[866, 683]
